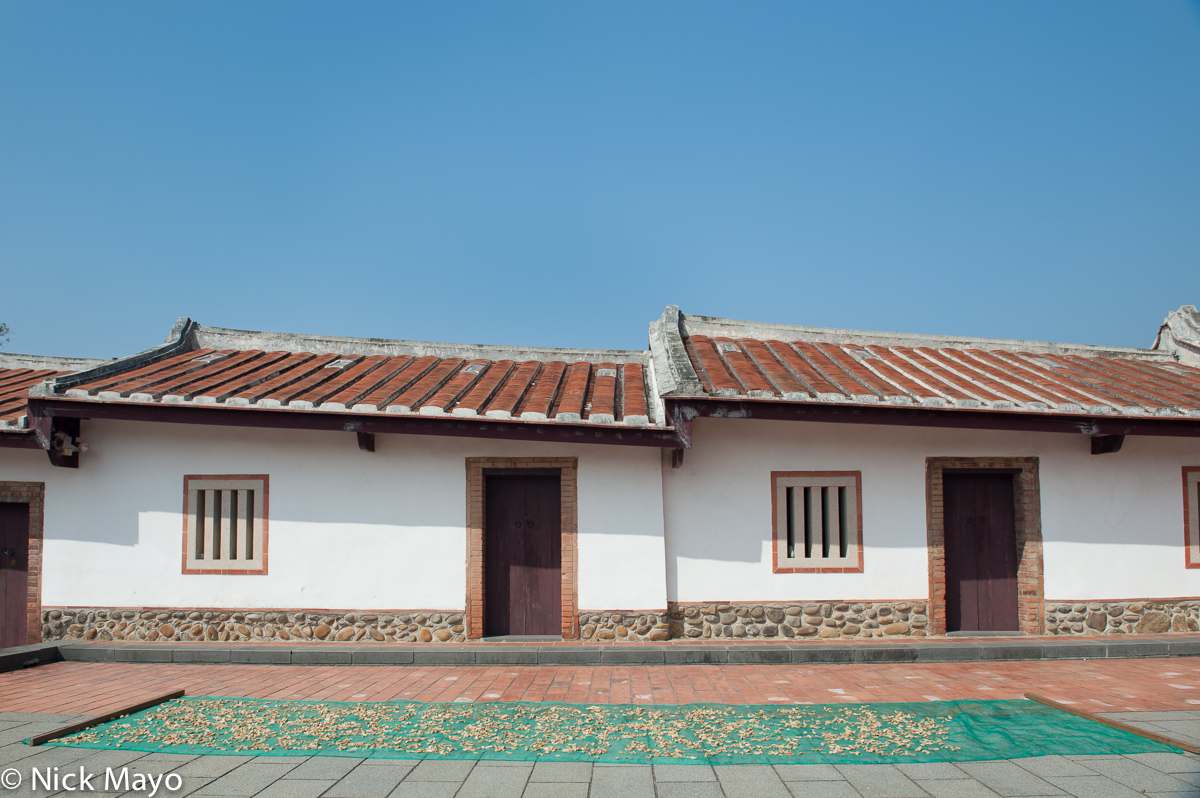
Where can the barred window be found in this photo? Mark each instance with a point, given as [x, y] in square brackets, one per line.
[225, 524]
[818, 524]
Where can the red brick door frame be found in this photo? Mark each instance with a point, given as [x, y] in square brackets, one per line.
[1028, 517]
[33, 494]
[568, 468]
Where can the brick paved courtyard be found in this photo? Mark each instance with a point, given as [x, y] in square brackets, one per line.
[1163, 694]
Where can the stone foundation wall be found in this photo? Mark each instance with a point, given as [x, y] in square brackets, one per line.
[624, 625]
[1122, 617]
[251, 625]
[861, 619]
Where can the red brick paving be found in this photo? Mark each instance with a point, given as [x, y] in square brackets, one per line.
[1098, 685]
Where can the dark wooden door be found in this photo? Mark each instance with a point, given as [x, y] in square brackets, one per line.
[522, 556]
[14, 573]
[981, 552]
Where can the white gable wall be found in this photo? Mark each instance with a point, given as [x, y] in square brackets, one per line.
[348, 529]
[1112, 524]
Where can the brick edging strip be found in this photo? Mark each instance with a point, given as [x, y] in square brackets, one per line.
[96, 720]
[986, 651]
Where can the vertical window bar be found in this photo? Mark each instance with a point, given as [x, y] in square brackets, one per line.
[790, 513]
[844, 520]
[830, 517]
[816, 522]
[235, 522]
[198, 524]
[250, 522]
[217, 518]
[806, 492]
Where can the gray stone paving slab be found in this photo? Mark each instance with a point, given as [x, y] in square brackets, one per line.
[1169, 763]
[1045, 766]
[212, 766]
[247, 779]
[441, 770]
[689, 789]
[425, 789]
[556, 789]
[495, 782]
[956, 788]
[56, 718]
[297, 788]
[809, 773]
[622, 781]
[1138, 776]
[1008, 779]
[562, 771]
[684, 773]
[324, 767]
[294, 761]
[822, 789]
[370, 781]
[1094, 787]
[751, 781]
[99, 760]
[881, 781]
[925, 771]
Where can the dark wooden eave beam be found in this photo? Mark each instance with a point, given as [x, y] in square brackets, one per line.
[951, 418]
[415, 424]
[20, 440]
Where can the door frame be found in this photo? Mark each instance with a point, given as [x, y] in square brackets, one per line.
[478, 469]
[1027, 517]
[33, 494]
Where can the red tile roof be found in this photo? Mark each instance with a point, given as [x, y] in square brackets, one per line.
[14, 392]
[739, 359]
[455, 381]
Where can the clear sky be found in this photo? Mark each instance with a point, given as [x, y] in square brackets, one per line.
[555, 173]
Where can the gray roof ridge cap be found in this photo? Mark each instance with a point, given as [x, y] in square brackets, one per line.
[16, 360]
[222, 337]
[708, 325]
[181, 338]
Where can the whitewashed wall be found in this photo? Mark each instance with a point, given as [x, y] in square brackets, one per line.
[1112, 524]
[348, 529]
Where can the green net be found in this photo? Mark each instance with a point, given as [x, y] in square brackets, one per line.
[935, 731]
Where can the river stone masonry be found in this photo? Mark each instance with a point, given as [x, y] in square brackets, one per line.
[622, 625]
[826, 620]
[251, 626]
[1122, 617]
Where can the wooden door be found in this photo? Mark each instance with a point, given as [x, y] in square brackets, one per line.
[522, 556]
[14, 573]
[981, 552]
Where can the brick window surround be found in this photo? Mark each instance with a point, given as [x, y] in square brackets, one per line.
[1028, 521]
[779, 562]
[33, 494]
[477, 467]
[1191, 516]
[263, 503]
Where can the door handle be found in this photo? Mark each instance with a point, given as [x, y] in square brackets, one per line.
[10, 552]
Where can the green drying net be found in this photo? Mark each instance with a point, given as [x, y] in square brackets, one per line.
[935, 731]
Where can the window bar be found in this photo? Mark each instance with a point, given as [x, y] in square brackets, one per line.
[235, 521]
[832, 526]
[844, 520]
[218, 522]
[198, 525]
[790, 514]
[816, 524]
[250, 520]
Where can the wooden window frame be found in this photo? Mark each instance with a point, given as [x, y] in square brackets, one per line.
[1191, 516]
[33, 494]
[1027, 519]
[780, 563]
[189, 565]
[478, 469]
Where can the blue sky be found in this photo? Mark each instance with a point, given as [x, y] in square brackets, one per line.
[555, 173]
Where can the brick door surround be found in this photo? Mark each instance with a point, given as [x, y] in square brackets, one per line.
[568, 468]
[1028, 522]
[33, 494]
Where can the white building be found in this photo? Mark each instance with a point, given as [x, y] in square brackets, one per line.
[735, 480]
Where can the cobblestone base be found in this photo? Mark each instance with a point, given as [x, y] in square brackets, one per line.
[250, 625]
[820, 620]
[1122, 617]
[623, 625]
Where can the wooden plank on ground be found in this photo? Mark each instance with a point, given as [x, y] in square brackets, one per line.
[98, 719]
[1116, 724]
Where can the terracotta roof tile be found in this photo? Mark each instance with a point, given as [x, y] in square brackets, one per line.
[14, 392]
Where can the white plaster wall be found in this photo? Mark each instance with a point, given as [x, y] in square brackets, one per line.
[348, 529]
[1112, 524]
